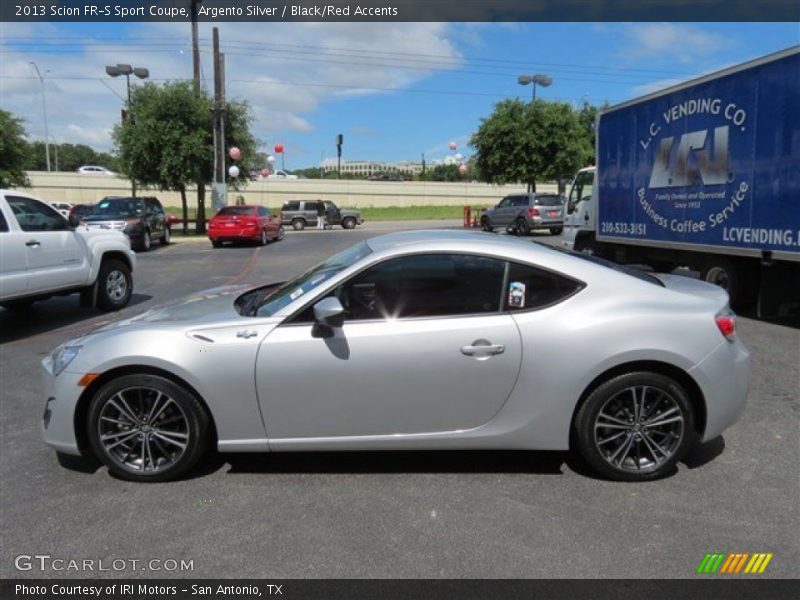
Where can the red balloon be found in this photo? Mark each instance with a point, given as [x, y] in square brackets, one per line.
[265, 172]
[235, 153]
[462, 168]
[278, 148]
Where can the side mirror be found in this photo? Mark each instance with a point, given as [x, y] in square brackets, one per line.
[329, 311]
[74, 221]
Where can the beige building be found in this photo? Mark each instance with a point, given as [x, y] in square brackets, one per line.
[366, 168]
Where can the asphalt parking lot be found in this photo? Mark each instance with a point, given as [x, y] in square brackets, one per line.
[449, 514]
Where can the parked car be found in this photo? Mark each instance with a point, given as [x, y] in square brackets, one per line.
[302, 213]
[42, 254]
[244, 223]
[141, 219]
[81, 210]
[523, 213]
[416, 341]
[279, 174]
[63, 208]
[94, 170]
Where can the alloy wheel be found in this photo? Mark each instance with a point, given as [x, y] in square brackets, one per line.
[143, 430]
[116, 285]
[639, 428]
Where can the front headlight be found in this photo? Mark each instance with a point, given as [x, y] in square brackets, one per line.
[61, 357]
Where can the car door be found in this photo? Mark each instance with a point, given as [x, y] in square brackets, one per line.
[266, 221]
[154, 213]
[13, 260]
[332, 213]
[424, 348]
[55, 253]
[504, 213]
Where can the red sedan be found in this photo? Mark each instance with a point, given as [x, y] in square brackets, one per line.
[244, 223]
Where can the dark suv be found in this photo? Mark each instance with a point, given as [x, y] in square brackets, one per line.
[141, 219]
[302, 213]
[523, 213]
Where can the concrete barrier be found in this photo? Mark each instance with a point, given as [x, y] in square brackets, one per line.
[75, 188]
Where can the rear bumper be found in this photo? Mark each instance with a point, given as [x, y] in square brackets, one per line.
[233, 234]
[724, 378]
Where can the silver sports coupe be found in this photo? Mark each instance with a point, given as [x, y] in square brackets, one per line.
[416, 340]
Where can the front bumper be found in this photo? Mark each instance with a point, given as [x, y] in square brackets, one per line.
[724, 378]
[61, 395]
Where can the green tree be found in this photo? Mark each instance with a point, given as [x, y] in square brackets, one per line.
[522, 142]
[168, 141]
[67, 157]
[13, 151]
[587, 115]
[444, 173]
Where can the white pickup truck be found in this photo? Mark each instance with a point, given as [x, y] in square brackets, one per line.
[43, 254]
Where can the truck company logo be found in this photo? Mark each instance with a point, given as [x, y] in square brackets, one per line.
[692, 168]
[734, 563]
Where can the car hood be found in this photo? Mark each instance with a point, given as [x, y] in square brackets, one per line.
[349, 211]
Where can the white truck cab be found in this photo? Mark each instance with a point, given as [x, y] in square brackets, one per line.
[579, 221]
[43, 254]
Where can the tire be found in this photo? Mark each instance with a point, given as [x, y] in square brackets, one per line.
[114, 285]
[18, 305]
[177, 424]
[299, 224]
[521, 226]
[486, 224]
[556, 230]
[281, 233]
[166, 238]
[589, 246]
[146, 242]
[216, 243]
[738, 278]
[658, 443]
[348, 223]
[262, 241]
[662, 266]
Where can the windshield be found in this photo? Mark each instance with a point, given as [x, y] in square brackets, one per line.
[119, 206]
[299, 286]
[235, 210]
[548, 200]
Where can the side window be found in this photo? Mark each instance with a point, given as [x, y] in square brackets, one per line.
[424, 285]
[33, 215]
[262, 212]
[531, 288]
[519, 201]
[505, 202]
[155, 206]
[3, 224]
[581, 189]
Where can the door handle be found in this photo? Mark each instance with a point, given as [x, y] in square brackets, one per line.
[33, 243]
[483, 350]
[247, 333]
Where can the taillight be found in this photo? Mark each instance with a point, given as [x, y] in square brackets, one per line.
[726, 324]
[533, 212]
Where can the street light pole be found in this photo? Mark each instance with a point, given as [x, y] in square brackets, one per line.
[542, 80]
[127, 70]
[44, 110]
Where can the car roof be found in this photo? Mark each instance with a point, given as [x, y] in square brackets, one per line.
[475, 240]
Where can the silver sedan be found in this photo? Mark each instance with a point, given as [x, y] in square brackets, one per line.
[415, 340]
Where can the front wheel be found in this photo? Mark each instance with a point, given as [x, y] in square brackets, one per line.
[114, 285]
[298, 224]
[486, 224]
[146, 242]
[147, 428]
[635, 427]
[281, 233]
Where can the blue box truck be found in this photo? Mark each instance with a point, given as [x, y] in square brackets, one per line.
[706, 175]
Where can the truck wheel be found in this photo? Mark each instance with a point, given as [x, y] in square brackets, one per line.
[299, 224]
[589, 246]
[486, 224]
[556, 230]
[738, 278]
[165, 239]
[661, 266]
[348, 223]
[115, 285]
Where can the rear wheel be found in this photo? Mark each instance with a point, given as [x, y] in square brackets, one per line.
[521, 226]
[299, 224]
[146, 242]
[589, 246]
[556, 230]
[662, 266]
[263, 239]
[17, 305]
[147, 428]
[348, 223]
[635, 427]
[114, 285]
[216, 243]
[165, 239]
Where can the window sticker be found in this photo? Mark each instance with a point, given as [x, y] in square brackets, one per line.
[296, 294]
[516, 294]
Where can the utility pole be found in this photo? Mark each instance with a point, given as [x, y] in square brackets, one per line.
[423, 165]
[339, 142]
[218, 192]
[44, 110]
[195, 47]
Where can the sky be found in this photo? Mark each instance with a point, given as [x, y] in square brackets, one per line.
[394, 90]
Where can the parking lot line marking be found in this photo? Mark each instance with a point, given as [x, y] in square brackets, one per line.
[247, 268]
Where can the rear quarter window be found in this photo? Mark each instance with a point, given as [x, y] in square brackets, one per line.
[291, 206]
[531, 288]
